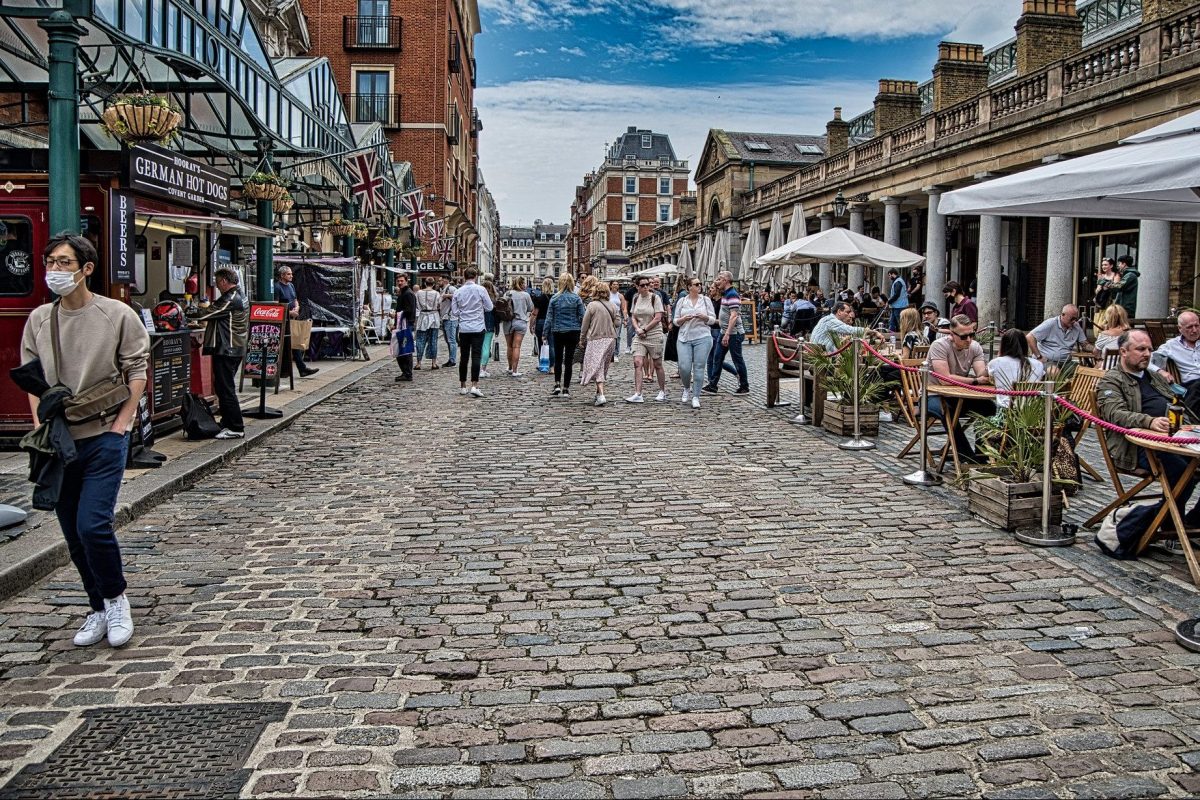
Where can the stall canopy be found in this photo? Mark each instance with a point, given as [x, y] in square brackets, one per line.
[1153, 175]
[842, 246]
[234, 226]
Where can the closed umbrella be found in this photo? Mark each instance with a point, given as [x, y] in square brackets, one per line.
[685, 260]
[774, 241]
[797, 230]
[750, 253]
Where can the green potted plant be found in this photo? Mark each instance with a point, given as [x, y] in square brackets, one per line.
[142, 117]
[285, 203]
[383, 242]
[836, 375]
[361, 230]
[339, 227]
[412, 251]
[265, 186]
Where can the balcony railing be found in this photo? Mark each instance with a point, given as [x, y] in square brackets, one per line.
[454, 59]
[453, 123]
[474, 73]
[371, 33]
[382, 108]
[476, 123]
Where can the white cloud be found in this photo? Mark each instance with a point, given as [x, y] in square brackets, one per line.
[523, 53]
[572, 51]
[544, 13]
[542, 136]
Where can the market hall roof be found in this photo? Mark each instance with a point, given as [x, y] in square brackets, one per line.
[771, 148]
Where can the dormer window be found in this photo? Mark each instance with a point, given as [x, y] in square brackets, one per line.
[647, 141]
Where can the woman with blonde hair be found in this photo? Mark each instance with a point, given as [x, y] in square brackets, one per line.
[516, 328]
[911, 332]
[1115, 320]
[597, 336]
[564, 318]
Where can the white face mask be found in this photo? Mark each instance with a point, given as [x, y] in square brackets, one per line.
[62, 283]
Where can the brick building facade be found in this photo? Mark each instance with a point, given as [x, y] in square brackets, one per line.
[410, 65]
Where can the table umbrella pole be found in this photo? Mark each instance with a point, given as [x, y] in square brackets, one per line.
[923, 477]
[800, 419]
[856, 442]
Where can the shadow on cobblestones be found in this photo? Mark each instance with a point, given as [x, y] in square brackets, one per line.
[520, 597]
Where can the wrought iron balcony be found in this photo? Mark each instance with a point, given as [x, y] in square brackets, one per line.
[382, 108]
[453, 123]
[454, 59]
[371, 33]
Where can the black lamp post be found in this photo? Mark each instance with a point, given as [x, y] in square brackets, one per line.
[839, 204]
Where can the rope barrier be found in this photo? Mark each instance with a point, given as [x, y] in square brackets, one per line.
[952, 381]
[1110, 426]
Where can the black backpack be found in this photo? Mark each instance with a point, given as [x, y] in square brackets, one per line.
[198, 419]
[502, 309]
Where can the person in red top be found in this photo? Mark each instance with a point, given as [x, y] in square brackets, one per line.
[960, 303]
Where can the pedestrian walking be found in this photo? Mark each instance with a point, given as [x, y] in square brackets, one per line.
[732, 334]
[694, 314]
[622, 308]
[429, 323]
[541, 306]
[404, 341]
[489, 331]
[449, 325]
[647, 313]
[104, 342]
[598, 338]
[467, 308]
[226, 324]
[564, 318]
[285, 292]
[516, 328]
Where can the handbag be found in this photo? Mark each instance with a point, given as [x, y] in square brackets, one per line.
[97, 401]
[301, 333]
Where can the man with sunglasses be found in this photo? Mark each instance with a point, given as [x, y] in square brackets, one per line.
[957, 355]
[1053, 341]
[732, 334]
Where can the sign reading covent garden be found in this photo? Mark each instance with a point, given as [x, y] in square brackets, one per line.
[157, 171]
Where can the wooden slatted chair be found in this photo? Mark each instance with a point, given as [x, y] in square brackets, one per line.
[909, 398]
[1144, 478]
[1111, 356]
[1083, 392]
[1154, 327]
[919, 352]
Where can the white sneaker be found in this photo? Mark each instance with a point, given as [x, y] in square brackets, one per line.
[634, 398]
[228, 434]
[687, 395]
[516, 374]
[485, 374]
[600, 400]
[696, 401]
[119, 620]
[463, 391]
[474, 392]
[661, 397]
[92, 630]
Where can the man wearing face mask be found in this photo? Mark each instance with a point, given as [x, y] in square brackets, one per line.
[100, 340]
[227, 322]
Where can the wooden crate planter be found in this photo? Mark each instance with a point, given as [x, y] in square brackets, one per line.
[1009, 506]
[839, 419]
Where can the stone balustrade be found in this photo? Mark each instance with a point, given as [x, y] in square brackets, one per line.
[1101, 63]
[1019, 95]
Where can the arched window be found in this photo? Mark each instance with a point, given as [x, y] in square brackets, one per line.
[714, 211]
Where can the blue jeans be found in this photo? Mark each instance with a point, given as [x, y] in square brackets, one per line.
[894, 322]
[450, 331]
[427, 345]
[693, 361]
[85, 510]
[628, 336]
[718, 364]
[961, 442]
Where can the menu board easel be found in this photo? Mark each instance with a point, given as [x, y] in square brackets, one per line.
[263, 348]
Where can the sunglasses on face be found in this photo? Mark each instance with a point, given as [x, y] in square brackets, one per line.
[964, 337]
[643, 285]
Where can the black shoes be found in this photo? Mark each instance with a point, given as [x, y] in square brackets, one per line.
[304, 373]
[708, 389]
[400, 378]
[449, 364]
[743, 390]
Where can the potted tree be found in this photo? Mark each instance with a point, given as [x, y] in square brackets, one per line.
[142, 117]
[265, 186]
[837, 377]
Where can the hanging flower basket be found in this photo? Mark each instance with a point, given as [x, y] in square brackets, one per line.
[383, 243]
[140, 118]
[265, 186]
[284, 204]
[339, 227]
[361, 230]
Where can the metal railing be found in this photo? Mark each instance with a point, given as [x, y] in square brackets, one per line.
[454, 59]
[371, 33]
[381, 108]
[453, 123]
[1001, 61]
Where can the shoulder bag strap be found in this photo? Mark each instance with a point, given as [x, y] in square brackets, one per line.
[54, 343]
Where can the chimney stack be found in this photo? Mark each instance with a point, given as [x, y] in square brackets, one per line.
[837, 134]
[1154, 10]
[896, 105]
[1048, 30]
[959, 74]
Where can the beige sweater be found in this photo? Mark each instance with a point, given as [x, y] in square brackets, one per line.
[89, 338]
[599, 321]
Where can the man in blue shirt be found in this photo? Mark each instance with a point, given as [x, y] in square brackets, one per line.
[897, 298]
[732, 335]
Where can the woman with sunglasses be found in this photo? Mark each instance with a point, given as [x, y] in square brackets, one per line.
[647, 314]
[693, 315]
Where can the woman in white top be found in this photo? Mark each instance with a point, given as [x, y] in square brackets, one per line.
[429, 323]
[1014, 364]
[1115, 320]
[693, 316]
[516, 328]
[622, 308]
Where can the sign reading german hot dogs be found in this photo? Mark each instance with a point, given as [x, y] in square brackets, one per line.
[160, 172]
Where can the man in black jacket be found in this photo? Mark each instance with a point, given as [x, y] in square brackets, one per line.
[406, 307]
[227, 323]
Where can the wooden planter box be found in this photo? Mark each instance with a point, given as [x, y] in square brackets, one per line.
[1009, 506]
[839, 419]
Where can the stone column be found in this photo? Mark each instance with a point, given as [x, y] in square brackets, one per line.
[1154, 266]
[825, 271]
[1060, 265]
[935, 250]
[891, 221]
[856, 226]
[988, 280]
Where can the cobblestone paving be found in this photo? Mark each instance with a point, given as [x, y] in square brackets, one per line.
[519, 597]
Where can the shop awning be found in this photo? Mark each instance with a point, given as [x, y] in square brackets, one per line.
[226, 224]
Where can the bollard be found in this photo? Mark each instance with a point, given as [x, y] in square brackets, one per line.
[800, 419]
[856, 442]
[1049, 535]
[923, 477]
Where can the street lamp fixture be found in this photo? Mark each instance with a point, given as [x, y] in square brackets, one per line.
[839, 204]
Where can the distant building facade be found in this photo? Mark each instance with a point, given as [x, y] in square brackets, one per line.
[487, 247]
[535, 252]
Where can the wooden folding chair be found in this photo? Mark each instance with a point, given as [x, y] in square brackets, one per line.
[1154, 327]
[1144, 478]
[1083, 392]
[909, 398]
[1111, 356]
[919, 352]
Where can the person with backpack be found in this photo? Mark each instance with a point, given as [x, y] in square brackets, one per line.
[491, 319]
[107, 347]
[520, 305]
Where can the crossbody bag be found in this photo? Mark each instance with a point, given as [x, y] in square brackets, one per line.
[101, 399]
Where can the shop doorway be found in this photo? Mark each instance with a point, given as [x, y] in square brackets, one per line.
[1096, 240]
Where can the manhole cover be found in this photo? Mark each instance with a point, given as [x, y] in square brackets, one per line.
[151, 751]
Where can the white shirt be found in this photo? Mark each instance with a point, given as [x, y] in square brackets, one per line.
[694, 329]
[1006, 371]
[468, 305]
[1187, 358]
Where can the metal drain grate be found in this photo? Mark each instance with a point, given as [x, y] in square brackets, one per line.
[151, 751]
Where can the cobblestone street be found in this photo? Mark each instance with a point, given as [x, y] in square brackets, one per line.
[525, 597]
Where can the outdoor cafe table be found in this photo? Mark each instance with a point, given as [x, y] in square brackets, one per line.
[953, 398]
[1153, 450]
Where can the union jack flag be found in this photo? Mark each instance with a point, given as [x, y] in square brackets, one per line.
[413, 203]
[365, 181]
[435, 228]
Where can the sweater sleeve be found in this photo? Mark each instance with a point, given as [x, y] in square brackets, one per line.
[134, 352]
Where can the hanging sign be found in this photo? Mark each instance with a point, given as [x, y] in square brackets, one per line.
[267, 321]
[160, 172]
[121, 237]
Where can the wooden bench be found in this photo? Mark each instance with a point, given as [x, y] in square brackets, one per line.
[782, 362]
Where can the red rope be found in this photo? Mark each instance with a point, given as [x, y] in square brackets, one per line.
[1109, 426]
[808, 346]
[947, 379]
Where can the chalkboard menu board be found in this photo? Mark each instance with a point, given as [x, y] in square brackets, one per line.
[328, 295]
[170, 370]
[266, 338]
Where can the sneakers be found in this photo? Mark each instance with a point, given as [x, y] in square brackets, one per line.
[634, 398]
[661, 397]
[708, 389]
[695, 401]
[474, 392]
[600, 400]
[226, 433]
[516, 374]
[119, 620]
[565, 393]
[448, 364]
[557, 390]
[743, 390]
[463, 391]
[92, 630]
[687, 395]
[485, 374]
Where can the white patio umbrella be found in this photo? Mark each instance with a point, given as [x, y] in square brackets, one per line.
[1153, 175]
[751, 252]
[797, 229]
[701, 250]
[659, 271]
[774, 241]
[720, 253]
[842, 246]
[685, 260]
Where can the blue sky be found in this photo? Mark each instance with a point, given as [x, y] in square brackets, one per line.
[558, 79]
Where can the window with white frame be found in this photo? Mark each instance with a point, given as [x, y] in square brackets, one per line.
[647, 141]
[630, 239]
[630, 185]
[631, 212]
[664, 212]
[664, 185]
